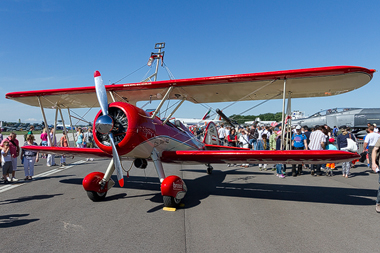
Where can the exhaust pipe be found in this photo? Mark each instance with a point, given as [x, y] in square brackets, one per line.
[140, 163]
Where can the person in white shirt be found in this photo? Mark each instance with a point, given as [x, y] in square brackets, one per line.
[370, 140]
[260, 130]
[267, 132]
[222, 134]
[317, 140]
[227, 129]
[244, 140]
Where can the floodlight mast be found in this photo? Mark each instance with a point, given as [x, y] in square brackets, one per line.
[156, 57]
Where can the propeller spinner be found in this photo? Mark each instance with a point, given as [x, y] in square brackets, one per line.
[104, 124]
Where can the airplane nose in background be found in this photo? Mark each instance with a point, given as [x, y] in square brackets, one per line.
[96, 74]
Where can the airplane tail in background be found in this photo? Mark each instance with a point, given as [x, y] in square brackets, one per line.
[217, 117]
[211, 134]
[207, 115]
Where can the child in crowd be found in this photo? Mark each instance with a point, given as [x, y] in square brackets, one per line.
[330, 166]
[279, 167]
[63, 143]
[7, 162]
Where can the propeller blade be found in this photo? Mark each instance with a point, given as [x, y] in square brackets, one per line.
[104, 124]
[116, 162]
[101, 92]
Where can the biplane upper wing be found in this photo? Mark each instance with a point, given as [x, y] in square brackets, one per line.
[311, 82]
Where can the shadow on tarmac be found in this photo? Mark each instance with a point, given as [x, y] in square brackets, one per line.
[13, 220]
[27, 198]
[215, 184]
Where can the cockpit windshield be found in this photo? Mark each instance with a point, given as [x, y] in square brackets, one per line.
[331, 111]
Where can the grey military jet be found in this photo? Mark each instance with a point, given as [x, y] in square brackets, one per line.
[357, 118]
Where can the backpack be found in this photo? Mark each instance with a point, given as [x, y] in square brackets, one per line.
[256, 134]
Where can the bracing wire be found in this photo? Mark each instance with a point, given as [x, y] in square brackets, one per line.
[231, 104]
[171, 76]
[131, 73]
[259, 104]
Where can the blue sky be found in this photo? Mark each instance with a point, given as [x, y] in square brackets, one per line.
[56, 44]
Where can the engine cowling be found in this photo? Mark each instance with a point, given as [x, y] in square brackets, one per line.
[131, 127]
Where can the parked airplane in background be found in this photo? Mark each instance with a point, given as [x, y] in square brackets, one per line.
[260, 122]
[351, 117]
[206, 119]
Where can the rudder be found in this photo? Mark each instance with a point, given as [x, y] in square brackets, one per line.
[211, 134]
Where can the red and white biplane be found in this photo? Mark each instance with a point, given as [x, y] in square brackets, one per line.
[124, 131]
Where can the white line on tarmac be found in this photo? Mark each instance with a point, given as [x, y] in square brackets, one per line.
[41, 175]
[9, 187]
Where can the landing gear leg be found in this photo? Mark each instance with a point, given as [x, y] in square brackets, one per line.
[158, 165]
[209, 169]
[108, 174]
[173, 189]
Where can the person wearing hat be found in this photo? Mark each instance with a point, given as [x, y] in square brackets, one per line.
[376, 130]
[299, 142]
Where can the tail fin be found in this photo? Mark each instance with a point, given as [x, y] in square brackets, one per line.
[211, 134]
[207, 115]
[218, 117]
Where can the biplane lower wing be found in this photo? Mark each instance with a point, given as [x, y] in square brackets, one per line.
[254, 156]
[220, 156]
[81, 152]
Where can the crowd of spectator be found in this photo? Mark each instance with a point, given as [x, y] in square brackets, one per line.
[11, 150]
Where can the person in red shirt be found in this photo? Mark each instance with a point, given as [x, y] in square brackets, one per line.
[15, 151]
[232, 138]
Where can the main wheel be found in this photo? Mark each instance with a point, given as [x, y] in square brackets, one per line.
[170, 201]
[96, 196]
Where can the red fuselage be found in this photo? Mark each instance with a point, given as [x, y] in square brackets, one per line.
[141, 133]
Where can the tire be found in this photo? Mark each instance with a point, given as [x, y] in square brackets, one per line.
[96, 196]
[170, 201]
[209, 170]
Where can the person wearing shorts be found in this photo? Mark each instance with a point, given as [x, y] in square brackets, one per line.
[7, 160]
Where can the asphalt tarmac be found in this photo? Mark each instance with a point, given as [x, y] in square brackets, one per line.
[233, 210]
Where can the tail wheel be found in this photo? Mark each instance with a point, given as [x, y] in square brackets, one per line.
[170, 201]
[96, 196]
